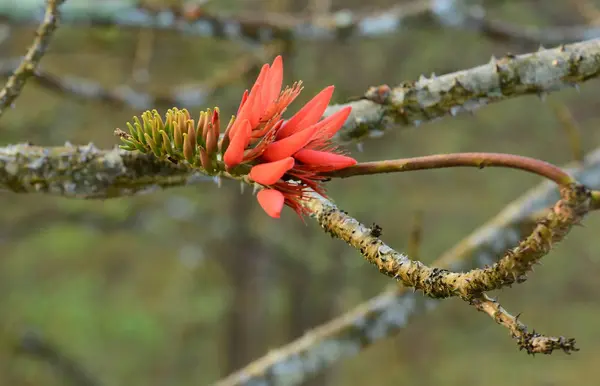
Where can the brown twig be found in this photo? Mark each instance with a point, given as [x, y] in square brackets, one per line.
[439, 161]
[16, 82]
[531, 342]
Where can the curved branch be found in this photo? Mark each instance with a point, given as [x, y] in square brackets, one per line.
[574, 204]
[439, 161]
[386, 314]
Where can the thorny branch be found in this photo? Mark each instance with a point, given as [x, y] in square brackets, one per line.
[532, 342]
[512, 268]
[16, 81]
[387, 313]
[412, 103]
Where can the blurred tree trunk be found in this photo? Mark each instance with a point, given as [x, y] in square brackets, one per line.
[314, 298]
[246, 262]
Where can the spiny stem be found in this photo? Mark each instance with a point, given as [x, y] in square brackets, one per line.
[439, 161]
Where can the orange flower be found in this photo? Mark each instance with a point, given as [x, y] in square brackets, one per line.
[285, 156]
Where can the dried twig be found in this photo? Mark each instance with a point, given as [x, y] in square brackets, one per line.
[531, 342]
[34, 54]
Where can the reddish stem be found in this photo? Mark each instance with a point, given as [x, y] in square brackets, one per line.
[438, 161]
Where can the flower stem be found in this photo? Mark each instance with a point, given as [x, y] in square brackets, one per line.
[438, 161]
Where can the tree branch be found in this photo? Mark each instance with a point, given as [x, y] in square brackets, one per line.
[34, 54]
[439, 161]
[427, 99]
[531, 342]
[574, 204]
[88, 172]
[99, 175]
[386, 314]
[409, 104]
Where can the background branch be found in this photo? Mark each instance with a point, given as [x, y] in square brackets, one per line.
[16, 81]
[409, 104]
[73, 373]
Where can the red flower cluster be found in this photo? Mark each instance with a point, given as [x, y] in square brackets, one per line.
[287, 156]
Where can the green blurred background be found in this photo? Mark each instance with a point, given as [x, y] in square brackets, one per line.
[181, 287]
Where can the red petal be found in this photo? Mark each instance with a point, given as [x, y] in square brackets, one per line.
[309, 114]
[244, 112]
[244, 99]
[234, 154]
[251, 108]
[271, 201]
[270, 173]
[272, 83]
[324, 160]
[289, 145]
[264, 70]
[333, 123]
